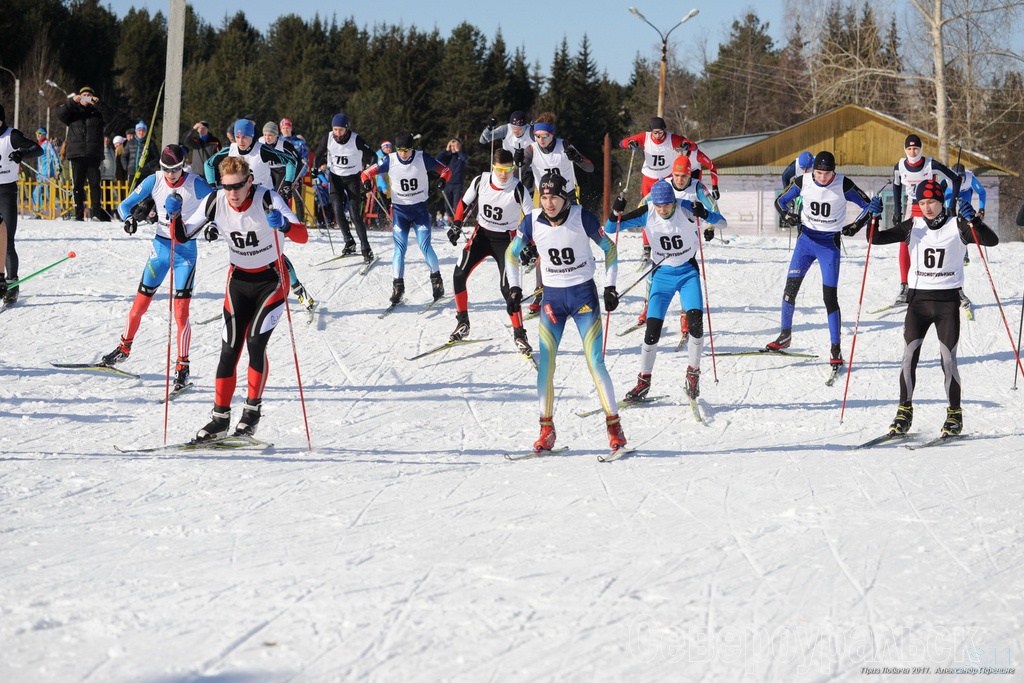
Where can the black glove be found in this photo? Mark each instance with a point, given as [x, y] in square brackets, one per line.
[715, 194]
[367, 185]
[619, 205]
[285, 192]
[611, 299]
[896, 217]
[515, 300]
[573, 154]
[791, 219]
[211, 233]
[441, 182]
[519, 156]
[981, 214]
[699, 210]
[492, 123]
[633, 144]
[16, 156]
[709, 234]
[851, 230]
[529, 254]
[455, 233]
[131, 225]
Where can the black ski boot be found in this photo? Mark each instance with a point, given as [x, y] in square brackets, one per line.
[367, 256]
[437, 285]
[180, 374]
[836, 355]
[522, 343]
[461, 328]
[397, 291]
[250, 418]
[904, 418]
[217, 428]
[349, 249]
[119, 354]
[954, 423]
[783, 341]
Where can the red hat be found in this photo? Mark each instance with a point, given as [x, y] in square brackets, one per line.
[682, 165]
[286, 122]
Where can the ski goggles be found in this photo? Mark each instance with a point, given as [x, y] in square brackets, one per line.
[404, 150]
[502, 169]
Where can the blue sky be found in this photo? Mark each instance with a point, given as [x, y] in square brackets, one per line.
[615, 34]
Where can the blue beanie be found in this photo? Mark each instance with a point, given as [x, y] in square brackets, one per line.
[141, 125]
[662, 193]
[340, 121]
[244, 127]
[806, 160]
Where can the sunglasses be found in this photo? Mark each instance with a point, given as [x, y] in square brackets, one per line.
[502, 169]
[235, 186]
[542, 136]
[405, 150]
[657, 131]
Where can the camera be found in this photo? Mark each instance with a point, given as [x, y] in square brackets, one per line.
[86, 99]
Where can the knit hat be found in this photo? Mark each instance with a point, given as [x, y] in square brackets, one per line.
[244, 127]
[172, 158]
[285, 122]
[403, 140]
[339, 121]
[552, 182]
[41, 131]
[929, 189]
[86, 89]
[912, 140]
[141, 125]
[657, 123]
[682, 165]
[271, 127]
[662, 193]
[517, 118]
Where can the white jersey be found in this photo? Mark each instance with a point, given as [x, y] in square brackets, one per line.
[911, 179]
[344, 159]
[409, 183]
[512, 142]
[566, 251]
[260, 169]
[8, 169]
[499, 209]
[658, 157]
[823, 208]
[674, 240]
[250, 238]
[936, 256]
[542, 162]
[161, 191]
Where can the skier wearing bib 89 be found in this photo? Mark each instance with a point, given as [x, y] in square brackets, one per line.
[563, 233]
[501, 201]
[257, 290]
[407, 169]
[824, 197]
[153, 193]
[937, 241]
[674, 246]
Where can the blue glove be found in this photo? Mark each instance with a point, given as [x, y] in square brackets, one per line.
[875, 206]
[172, 205]
[276, 219]
[967, 212]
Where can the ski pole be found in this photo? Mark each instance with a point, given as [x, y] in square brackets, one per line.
[981, 252]
[860, 303]
[305, 210]
[282, 270]
[707, 301]
[608, 315]
[170, 326]
[642, 278]
[18, 282]
[629, 173]
[1019, 330]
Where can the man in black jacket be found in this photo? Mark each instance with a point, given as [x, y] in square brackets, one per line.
[85, 116]
[201, 145]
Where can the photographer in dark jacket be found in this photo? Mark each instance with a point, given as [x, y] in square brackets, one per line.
[85, 116]
[201, 145]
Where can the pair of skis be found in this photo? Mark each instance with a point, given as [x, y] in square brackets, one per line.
[232, 442]
[111, 370]
[393, 307]
[892, 437]
[626, 405]
[611, 456]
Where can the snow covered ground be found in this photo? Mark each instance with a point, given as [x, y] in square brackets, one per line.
[404, 547]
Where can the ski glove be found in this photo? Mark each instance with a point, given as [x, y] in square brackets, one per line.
[519, 156]
[131, 225]
[172, 205]
[529, 254]
[896, 218]
[211, 233]
[455, 233]
[367, 185]
[285, 192]
[699, 210]
[851, 230]
[875, 206]
[619, 205]
[709, 234]
[611, 299]
[715, 194]
[573, 154]
[981, 214]
[492, 123]
[441, 182]
[633, 144]
[515, 300]
[275, 219]
[16, 156]
[791, 219]
[967, 212]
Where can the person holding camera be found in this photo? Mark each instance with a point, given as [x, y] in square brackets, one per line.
[86, 116]
[455, 159]
[201, 144]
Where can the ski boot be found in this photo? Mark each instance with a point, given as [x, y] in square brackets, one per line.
[535, 304]
[367, 256]
[616, 439]
[904, 417]
[901, 298]
[647, 255]
[305, 300]
[461, 327]
[546, 440]
[398, 290]
[692, 382]
[217, 428]
[640, 391]
[783, 341]
[954, 423]
[119, 354]
[11, 295]
[836, 357]
[250, 417]
[522, 343]
[180, 374]
[349, 249]
[437, 285]
[965, 303]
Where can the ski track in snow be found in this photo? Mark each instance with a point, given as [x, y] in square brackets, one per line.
[753, 547]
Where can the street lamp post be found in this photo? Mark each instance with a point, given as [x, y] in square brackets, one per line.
[17, 94]
[664, 50]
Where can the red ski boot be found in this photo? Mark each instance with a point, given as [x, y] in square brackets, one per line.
[546, 441]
